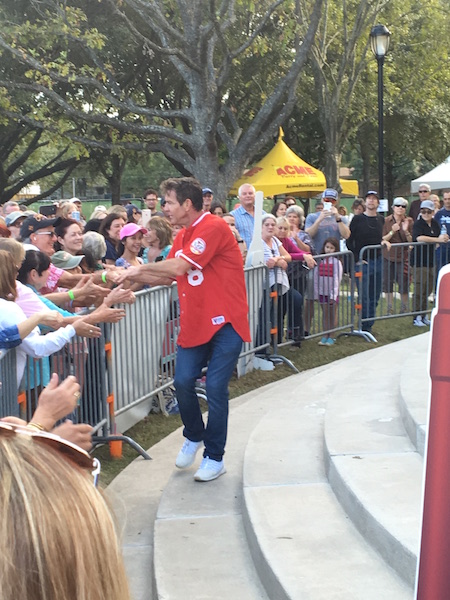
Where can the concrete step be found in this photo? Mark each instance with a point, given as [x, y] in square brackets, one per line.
[200, 546]
[303, 543]
[415, 392]
[373, 467]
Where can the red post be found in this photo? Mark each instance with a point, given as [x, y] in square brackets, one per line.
[433, 575]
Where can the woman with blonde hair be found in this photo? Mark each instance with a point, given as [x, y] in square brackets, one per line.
[57, 535]
[66, 210]
[118, 209]
[277, 259]
[158, 240]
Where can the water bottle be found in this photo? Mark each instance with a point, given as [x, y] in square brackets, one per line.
[443, 229]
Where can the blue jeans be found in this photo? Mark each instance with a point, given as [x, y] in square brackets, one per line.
[369, 290]
[220, 354]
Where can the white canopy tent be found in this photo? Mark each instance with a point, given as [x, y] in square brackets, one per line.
[438, 178]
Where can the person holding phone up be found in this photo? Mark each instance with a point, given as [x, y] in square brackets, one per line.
[328, 222]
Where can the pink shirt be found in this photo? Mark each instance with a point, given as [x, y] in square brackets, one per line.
[53, 278]
[28, 300]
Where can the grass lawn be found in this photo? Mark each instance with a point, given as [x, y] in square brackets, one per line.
[157, 426]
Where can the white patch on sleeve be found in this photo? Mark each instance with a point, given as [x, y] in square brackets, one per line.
[198, 246]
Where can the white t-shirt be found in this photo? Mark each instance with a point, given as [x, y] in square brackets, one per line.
[35, 344]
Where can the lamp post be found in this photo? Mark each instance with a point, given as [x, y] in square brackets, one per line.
[379, 43]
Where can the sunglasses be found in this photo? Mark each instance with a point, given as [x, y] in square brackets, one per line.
[68, 450]
[423, 191]
[400, 206]
[45, 233]
[426, 211]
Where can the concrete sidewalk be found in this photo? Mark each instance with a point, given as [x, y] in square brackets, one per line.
[321, 497]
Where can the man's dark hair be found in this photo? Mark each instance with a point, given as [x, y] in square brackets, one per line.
[150, 191]
[184, 188]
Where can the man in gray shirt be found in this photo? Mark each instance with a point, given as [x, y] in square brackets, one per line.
[327, 223]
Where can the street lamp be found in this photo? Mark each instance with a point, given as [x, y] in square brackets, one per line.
[379, 43]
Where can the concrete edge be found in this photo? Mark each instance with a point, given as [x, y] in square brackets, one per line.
[269, 580]
[416, 431]
[393, 552]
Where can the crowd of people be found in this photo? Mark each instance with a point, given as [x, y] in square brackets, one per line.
[66, 261]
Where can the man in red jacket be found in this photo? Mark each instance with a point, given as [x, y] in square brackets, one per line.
[206, 263]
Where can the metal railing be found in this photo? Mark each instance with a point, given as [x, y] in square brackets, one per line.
[8, 384]
[394, 283]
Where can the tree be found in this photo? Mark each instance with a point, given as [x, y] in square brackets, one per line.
[338, 58]
[172, 84]
[417, 95]
[28, 155]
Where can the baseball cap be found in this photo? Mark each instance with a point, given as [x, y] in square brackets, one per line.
[207, 191]
[131, 229]
[12, 217]
[100, 207]
[65, 260]
[33, 224]
[400, 201]
[427, 204]
[330, 193]
[131, 207]
[372, 193]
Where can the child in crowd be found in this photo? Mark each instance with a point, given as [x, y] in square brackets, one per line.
[131, 245]
[327, 279]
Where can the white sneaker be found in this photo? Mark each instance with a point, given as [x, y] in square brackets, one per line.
[418, 321]
[210, 469]
[426, 321]
[186, 455]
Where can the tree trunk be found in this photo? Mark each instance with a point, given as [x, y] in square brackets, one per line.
[333, 153]
[114, 183]
[332, 167]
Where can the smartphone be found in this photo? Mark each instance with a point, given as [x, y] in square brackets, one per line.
[327, 206]
[48, 210]
[146, 216]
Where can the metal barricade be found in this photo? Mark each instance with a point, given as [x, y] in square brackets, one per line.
[83, 358]
[257, 285]
[394, 283]
[87, 360]
[8, 385]
[143, 353]
[320, 301]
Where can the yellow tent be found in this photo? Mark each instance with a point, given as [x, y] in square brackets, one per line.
[281, 171]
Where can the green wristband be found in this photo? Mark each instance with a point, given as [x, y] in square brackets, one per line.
[104, 276]
[71, 295]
